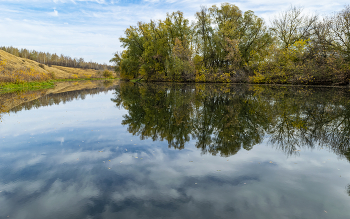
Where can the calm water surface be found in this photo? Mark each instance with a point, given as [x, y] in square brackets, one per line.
[177, 151]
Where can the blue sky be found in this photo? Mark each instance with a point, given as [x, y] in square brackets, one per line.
[90, 28]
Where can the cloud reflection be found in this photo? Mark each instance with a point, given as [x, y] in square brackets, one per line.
[103, 171]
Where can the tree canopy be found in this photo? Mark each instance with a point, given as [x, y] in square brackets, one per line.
[225, 44]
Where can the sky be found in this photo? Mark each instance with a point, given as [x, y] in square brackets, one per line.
[91, 28]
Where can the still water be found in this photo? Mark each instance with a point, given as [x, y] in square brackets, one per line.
[176, 151]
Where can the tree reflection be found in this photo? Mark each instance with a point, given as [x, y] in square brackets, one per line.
[160, 113]
[225, 118]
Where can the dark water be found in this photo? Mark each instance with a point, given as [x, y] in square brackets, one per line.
[178, 151]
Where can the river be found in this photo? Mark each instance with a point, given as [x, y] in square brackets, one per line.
[148, 150]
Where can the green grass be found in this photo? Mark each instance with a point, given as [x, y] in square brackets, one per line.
[136, 80]
[12, 87]
[84, 79]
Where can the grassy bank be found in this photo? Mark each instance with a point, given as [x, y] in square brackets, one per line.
[21, 74]
[11, 87]
[31, 86]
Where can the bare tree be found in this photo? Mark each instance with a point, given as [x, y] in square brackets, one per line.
[341, 30]
[292, 25]
[322, 39]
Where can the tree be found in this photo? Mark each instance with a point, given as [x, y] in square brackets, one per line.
[341, 30]
[292, 25]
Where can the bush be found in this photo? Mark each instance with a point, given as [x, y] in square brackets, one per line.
[52, 75]
[42, 66]
[107, 74]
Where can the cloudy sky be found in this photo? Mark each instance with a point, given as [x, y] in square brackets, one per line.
[91, 28]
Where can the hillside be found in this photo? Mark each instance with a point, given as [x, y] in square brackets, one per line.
[12, 64]
[55, 59]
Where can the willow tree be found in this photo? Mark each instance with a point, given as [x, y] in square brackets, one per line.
[220, 30]
[149, 47]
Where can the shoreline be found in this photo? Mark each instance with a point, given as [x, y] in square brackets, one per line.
[247, 83]
[32, 86]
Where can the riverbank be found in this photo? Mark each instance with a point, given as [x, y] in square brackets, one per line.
[32, 86]
[21, 74]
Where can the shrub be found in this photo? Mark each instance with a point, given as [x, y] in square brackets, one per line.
[107, 74]
[52, 75]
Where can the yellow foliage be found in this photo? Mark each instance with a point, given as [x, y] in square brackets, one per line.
[257, 78]
[205, 75]
[224, 77]
[142, 71]
[21, 75]
[197, 60]
[296, 51]
[2, 65]
[200, 75]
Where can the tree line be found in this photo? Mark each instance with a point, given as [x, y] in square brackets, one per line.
[54, 59]
[225, 44]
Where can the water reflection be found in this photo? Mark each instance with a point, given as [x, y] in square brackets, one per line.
[62, 92]
[66, 155]
[225, 118]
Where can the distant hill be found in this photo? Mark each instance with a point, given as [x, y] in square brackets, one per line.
[54, 59]
[15, 63]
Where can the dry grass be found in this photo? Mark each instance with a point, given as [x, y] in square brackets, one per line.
[79, 72]
[20, 75]
[15, 69]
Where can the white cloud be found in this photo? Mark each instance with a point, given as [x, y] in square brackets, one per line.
[54, 13]
[95, 25]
